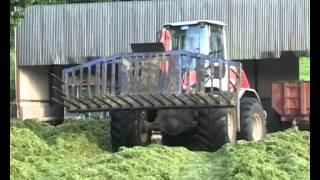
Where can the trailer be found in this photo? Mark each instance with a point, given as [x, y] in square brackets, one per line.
[291, 100]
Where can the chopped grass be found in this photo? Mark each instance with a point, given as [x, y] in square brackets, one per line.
[78, 149]
[304, 68]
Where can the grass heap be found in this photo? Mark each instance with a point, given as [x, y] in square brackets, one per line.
[77, 149]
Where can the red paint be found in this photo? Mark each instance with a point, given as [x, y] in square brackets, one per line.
[164, 67]
[291, 99]
[166, 39]
[233, 77]
[192, 79]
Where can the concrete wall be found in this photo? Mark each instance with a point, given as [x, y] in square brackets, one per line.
[34, 94]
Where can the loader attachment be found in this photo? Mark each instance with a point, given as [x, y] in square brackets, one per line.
[149, 80]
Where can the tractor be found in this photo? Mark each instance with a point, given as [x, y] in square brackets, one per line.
[184, 86]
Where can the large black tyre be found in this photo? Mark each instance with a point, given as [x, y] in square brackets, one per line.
[216, 127]
[273, 121]
[128, 129]
[252, 119]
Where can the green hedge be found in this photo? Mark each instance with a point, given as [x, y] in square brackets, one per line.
[304, 68]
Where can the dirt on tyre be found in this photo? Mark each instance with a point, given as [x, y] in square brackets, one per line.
[216, 127]
[252, 120]
[129, 128]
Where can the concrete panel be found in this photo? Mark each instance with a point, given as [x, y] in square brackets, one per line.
[34, 83]
[35, 94]
[36, 110]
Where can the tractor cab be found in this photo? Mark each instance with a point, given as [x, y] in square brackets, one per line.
[203, 36]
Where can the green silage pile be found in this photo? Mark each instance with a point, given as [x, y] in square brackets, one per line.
[77, 149]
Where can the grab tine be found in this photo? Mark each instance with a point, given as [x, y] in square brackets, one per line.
[157, 99]
[103, 101]
[179, 98]
[165, 97]
[59, 102]
[135, 100]
[203, 99]
[124, 100]
[111, 99]
[146, 100]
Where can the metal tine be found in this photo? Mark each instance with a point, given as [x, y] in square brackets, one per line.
[59, 102]
[199, 98]
[108, 97]
[187, 95]
[146, 100]
[58, 90]
[135, 100]
[179, 99]
[202, 98]
[124, 100]
[167, 99]
[89, 99]
[103, 101]
[157, 99]
[78, 99]
[210, 95]
[223, 95]
[70, 102]
[58, 78]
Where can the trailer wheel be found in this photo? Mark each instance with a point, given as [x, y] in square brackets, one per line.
[252, 119]
[129, 128]
[216, 127]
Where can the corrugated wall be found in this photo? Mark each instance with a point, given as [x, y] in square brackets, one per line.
[64, 34]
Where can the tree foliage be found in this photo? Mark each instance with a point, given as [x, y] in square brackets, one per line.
[12, 76]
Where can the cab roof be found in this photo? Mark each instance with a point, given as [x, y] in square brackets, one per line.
[185, 23]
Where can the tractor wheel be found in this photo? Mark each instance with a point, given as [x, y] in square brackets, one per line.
[273, 121]
[252, 119]
[216, 127]
[129, 128]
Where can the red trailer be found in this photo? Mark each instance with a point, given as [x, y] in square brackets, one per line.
[291, 99]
